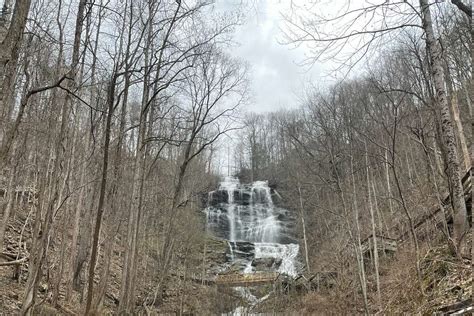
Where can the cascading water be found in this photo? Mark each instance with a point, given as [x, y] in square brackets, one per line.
[258, 232]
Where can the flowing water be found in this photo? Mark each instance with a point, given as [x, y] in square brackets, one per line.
[258, 232]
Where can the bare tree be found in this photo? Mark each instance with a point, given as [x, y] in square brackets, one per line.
[395, 17]
[457, 196]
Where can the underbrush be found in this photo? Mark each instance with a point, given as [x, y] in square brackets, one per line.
[444, 281]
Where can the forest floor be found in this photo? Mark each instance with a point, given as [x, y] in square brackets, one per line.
[10, 292]
[185, 292]
[445, 280]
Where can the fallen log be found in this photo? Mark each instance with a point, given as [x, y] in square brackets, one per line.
[7, 255]
[12, 260]
[458, 308]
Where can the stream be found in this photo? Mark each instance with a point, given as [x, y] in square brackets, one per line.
[258, 232]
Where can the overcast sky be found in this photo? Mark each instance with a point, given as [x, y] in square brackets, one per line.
[277, 81]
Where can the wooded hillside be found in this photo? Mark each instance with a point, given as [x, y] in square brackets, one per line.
[111, 113]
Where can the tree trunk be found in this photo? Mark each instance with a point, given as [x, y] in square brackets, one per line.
[359, 255]
[40, 248]
[387, 178]
[374, 232]
[457, 195]
[462, 138]
[9, 195]
[75, 252]
[305, 241]
[79, 208]
[100, 206]
[113, 198]
[9, 53]
[129, 269]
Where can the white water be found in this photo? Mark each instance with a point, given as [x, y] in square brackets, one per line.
[249, 297]
[286, 252]
[249, 215]
[230, 185]
[255, 228]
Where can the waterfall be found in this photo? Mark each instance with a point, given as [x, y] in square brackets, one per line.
[258, 232]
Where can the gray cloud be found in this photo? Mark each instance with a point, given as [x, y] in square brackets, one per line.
[276, 78]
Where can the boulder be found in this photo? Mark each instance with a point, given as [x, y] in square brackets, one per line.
[242, 197]
[240, 250]
[266, 264]
[217, 197]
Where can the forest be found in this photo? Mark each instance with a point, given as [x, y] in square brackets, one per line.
[138, 176]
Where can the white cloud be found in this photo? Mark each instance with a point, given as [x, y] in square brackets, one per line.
[276, 77]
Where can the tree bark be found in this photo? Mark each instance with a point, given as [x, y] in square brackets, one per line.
[9, 53]
[387, 178]
[100, 206]
[41, 245]
[77, 253]
[457, 195]
[462, 138]
[9, 195]
[303, 224]
[40, 248]
[359, 255]
[374, 231]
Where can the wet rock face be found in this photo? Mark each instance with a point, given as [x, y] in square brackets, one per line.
[254, 226]
[244, 212]
[244, 195]
[240, 250]
[217, 197]
[266, 264]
